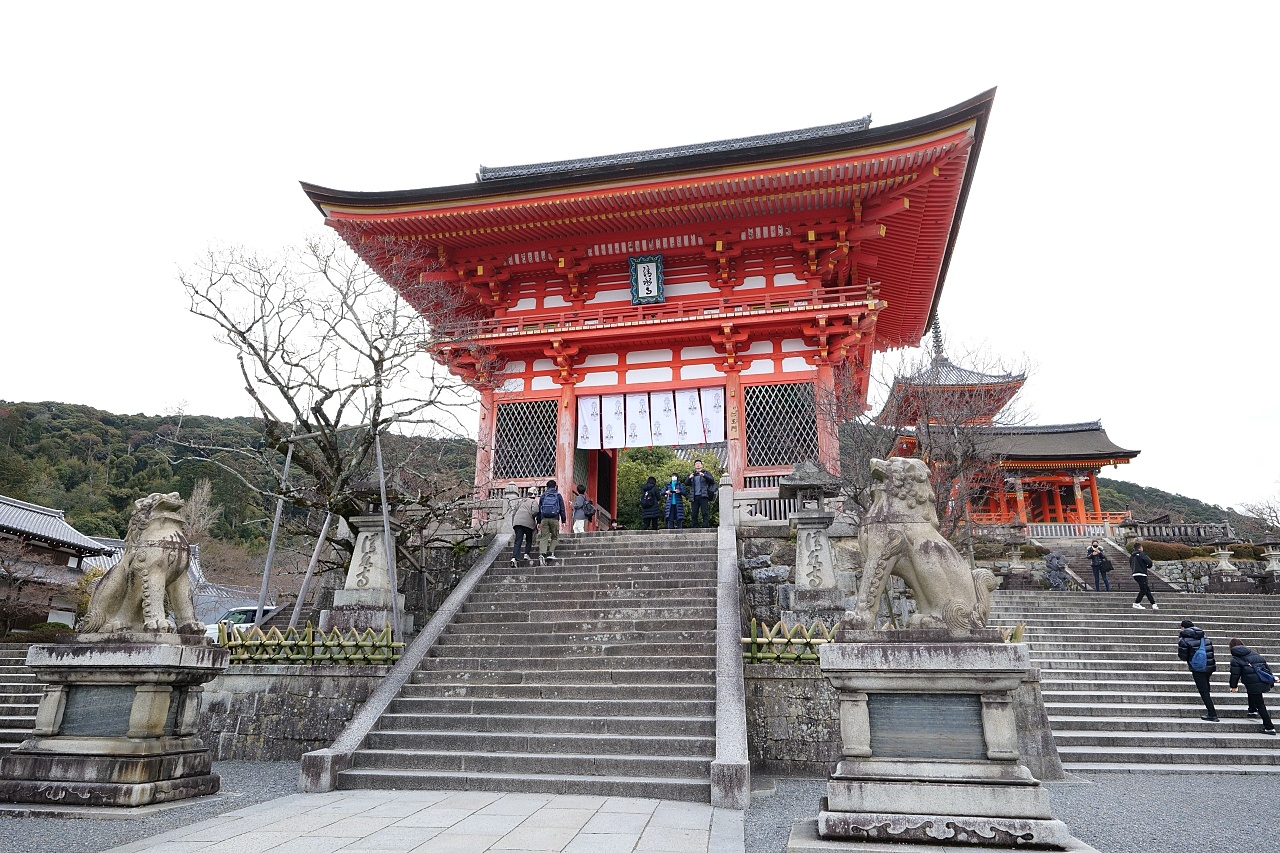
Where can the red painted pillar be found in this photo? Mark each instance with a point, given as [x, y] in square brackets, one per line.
[566, 437]
[735, 429]
[824, 395]
[1021, 497]
[1079, 495]
[484, 442]
[1093, 490]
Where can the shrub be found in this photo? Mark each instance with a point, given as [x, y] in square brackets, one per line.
[1168, 551]
[1244, 552]
[1032, 552]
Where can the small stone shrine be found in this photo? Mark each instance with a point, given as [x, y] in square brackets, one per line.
[365, 601]
[117, 723]
[929, 733]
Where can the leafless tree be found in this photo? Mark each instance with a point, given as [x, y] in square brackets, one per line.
[1267, 511]
[17, 572]
[331, 356]
[950, 429]
[200, 512]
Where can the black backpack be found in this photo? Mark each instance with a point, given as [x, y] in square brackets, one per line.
[549, 506]
[588, 509]
[648, 498]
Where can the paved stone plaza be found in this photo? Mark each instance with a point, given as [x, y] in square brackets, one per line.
[457, 822]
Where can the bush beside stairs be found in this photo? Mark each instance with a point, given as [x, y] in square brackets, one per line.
[1117, 696]
[593, 675]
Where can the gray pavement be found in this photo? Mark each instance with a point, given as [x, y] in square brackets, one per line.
[457, 822]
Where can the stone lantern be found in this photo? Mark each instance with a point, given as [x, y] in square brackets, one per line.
[1225, 577]
[1271, 551]
[811, 485]
[1222, 550]
[1016, 539]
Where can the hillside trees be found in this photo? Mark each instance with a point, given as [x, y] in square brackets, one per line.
[330, 356]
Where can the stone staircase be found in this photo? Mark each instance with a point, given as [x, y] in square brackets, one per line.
[595, 675]
[1117, 696]
[1121, 576]
[20, 693]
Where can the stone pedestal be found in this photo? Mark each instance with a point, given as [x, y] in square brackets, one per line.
[116, 725]
[365, 601]
[929, 739]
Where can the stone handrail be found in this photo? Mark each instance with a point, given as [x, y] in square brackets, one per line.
[1197, 532]
[320, 769]
[731, 767]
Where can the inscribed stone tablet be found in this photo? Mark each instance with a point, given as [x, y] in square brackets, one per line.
[97, 710]
[926, 725]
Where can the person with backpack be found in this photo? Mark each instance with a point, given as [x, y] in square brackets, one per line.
[583, 510]
[650, 504]
[1140, 564]
[1196, 650]
[550, 517]
[1251, 668]
[1100, 564]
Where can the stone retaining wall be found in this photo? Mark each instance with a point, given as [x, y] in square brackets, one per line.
[793, 723]
[277, 713]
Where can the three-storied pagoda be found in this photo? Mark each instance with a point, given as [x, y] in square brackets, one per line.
[702, 293]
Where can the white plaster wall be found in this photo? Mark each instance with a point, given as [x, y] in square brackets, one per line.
[699, 371]
[648, 355]
[692, 353]
[610, 296]
[759, 367]
[751, 282]
[604, 359]
[603, 377]
[649, 374]
[542, 383]
[796, 364]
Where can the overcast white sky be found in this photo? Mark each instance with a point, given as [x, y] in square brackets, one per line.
[1119, 234]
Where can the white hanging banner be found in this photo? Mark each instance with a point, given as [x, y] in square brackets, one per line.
[613, 420]
[589, 423]
[662, 417]
[638, 432]
[689, 417]
[713, 414]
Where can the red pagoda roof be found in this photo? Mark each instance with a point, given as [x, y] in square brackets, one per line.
[903, 186]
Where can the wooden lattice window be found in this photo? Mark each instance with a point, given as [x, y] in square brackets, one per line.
[525, 440]
[782, 427]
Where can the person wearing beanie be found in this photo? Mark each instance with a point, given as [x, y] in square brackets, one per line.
[1189, 640]
[1245, 665]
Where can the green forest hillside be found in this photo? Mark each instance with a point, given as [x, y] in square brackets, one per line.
[1147, 503]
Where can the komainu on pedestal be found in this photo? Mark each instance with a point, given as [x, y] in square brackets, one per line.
[116, 723]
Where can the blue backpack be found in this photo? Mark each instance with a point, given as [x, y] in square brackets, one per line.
[1200, 658]
[549, 506]
[1264, 674]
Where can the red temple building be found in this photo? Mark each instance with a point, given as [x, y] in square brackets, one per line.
[1038, 474]
[699, 294]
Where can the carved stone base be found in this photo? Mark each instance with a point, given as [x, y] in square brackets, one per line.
[805, 836]
[116, 723]
[361, 609]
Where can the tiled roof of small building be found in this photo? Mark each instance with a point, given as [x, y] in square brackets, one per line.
[942, 372]
[488, 173]
[32, 521]
[1056, 441]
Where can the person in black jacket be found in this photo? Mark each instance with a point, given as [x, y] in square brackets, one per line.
[1101, 566]
[650, 504]
[1245, 663]
[701, 487]
[1189, 639]
[1139, 563]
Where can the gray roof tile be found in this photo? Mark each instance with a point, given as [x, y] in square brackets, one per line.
[45, 525]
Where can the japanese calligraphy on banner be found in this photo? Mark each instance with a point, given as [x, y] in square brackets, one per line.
[613, 421]
[713, 414]
[689, 428]
[589, 423]
[662, 417]
[638, 432]
[687, 416]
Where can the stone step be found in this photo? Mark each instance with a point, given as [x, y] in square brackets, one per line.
[625, 596]
[1187, 724]
[635, 557]
[1052, 696]
[687, 790]
[1253, 739]
[1147, 685]
[1264, 770]
[655, 692]
[510, 637]
[575, 662]
[619, 583]
[598, 615]
[1231, 705]
[16, 718]
[1178, 755]
[574, 763]
[541, 743]
[466, 647]
[623, 726]
[571, 676]
[547, 707]
[1178, 673]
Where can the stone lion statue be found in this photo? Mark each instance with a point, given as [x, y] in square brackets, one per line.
[152, 571]
[899, 536]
